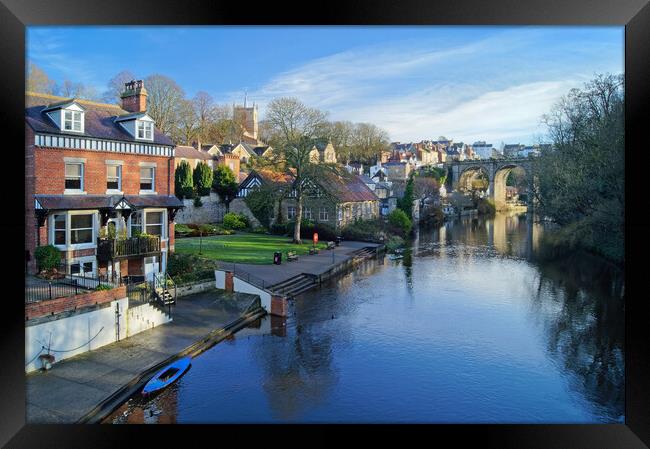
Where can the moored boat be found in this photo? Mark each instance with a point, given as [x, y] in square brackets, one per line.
[166, 376]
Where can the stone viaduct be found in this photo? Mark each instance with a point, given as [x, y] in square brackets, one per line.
[462, 172]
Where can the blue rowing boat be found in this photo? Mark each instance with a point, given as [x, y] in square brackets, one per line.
[167, 376]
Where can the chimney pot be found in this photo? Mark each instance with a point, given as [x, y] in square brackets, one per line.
[134, 97]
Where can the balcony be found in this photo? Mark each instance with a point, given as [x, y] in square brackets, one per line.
[108, 249]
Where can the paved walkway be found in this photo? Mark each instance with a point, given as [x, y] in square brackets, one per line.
[316, 264]
[73, 387]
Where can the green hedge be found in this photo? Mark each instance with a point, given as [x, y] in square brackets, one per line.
[47, 257]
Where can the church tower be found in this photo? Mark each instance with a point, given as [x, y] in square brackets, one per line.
[248, 116]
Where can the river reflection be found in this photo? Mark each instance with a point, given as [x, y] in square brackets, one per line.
[468, 327]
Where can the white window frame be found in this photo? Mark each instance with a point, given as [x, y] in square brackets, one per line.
[119, 177]
[153, 179]
[147, 130]
[76, 117]
[81, 261]
[323, 212]
[306, 213]
[82, 171]
[291, 212]
[68, 239]
[144, 212]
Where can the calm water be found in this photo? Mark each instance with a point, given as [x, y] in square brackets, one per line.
[467, 328]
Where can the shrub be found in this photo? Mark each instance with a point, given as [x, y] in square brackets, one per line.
[47, 257]
[102, 287]
[233, 221]
[198, 202]
[394, 242]
[278, 229]
[259, 230]
[182, 229]
[307, 229]
[400, 222]
[363, 230]
[186, 268]
[486, 207]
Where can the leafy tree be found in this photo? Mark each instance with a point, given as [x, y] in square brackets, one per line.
[400, 221]
[581, 175]
[225, 184]
[183, 181]
[261, 202]
[202, 177]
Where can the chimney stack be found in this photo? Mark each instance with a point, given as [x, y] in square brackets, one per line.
[134, 97]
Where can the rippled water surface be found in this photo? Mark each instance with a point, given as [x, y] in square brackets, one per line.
[467, 328]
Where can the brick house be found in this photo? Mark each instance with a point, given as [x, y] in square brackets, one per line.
[96, 177]
[336, 200]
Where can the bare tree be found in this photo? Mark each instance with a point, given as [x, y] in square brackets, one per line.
[164, 98]
[187, 126]
[368, 141]
[116, 86]
[295, 129]
[341, 134]
[204, 110]
[39, 81]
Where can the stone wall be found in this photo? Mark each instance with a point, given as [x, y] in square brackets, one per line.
[238, 206]
[212, 211]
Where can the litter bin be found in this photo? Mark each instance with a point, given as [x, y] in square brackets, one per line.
[338, 241]
[277, 258]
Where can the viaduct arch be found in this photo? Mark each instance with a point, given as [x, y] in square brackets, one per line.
[497, 171]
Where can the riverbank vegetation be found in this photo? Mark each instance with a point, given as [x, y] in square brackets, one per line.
[581, 177]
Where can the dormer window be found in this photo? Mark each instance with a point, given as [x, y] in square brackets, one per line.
[144, 130]
[73, 121]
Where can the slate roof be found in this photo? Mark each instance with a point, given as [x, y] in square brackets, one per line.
[78, 202]
[347, 187]
[259, 150]
[99, 119]
[186, 152]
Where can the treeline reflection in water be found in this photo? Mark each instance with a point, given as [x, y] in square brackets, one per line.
[352, 351]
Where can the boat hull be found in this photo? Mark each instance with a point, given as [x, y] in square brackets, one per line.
[167, 376]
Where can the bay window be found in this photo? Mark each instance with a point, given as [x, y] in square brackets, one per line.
[59, 229]
[136, 224]
[81, 229]
[154, 221]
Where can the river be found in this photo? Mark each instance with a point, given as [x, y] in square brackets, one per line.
[469, 327]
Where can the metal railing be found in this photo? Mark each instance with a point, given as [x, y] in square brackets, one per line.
[133, 246]
[243, 274]
[37, 289]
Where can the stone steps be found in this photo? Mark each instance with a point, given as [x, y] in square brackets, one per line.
[294, 285]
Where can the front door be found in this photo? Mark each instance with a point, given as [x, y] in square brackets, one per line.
[150, 267]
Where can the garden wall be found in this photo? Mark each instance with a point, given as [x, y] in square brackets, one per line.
[212, 211]
[238, 206]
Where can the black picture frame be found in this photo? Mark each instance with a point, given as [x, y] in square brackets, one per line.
[633, 14]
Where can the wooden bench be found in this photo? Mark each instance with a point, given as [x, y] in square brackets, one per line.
[331, 245]
[291, 255]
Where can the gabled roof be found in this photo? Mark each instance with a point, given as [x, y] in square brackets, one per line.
[99, 119]
[62, 104]
[260, 150]
[346, 187]
[186, 152]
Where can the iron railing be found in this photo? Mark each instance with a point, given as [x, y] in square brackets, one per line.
[37, 289]
[243, 274]
[134, 246]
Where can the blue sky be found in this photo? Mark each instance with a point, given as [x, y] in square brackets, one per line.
[417, 82]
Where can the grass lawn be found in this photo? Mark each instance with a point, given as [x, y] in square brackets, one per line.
[243, 248]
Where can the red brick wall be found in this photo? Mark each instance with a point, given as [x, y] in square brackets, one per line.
[50, 171]
[136, 267]
[30, 219]
[230, 283]
[58, 305]
[279, 306]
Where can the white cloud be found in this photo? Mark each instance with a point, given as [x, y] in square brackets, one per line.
[419, 90]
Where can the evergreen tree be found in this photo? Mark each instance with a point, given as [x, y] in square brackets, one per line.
[225, 184]
[184, 184]
[406, 202]
[202, 177]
